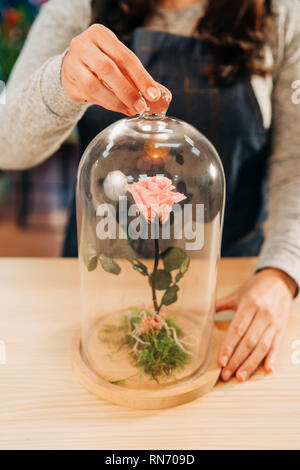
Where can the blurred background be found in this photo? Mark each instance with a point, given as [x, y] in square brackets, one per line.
[33, 203]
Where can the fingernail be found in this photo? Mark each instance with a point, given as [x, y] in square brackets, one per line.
[224, 360]
[226, 375]
[153, 92]
[242, 375]
[140, 106]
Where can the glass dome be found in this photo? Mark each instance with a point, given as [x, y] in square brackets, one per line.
[150, 202]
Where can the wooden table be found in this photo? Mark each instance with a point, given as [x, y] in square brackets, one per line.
[42, 406]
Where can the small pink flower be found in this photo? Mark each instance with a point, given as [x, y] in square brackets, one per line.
[142, 307]
[155, 195]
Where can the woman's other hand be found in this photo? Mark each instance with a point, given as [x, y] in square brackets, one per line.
[262, 307]
[100, 69]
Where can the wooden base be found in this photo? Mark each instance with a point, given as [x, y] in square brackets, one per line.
[149, 399]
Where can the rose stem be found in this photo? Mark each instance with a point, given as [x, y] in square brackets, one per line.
[156, 261]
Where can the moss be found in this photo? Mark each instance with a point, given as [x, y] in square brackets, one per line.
[159, 351]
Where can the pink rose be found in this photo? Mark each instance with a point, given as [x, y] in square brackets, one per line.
[155, 195]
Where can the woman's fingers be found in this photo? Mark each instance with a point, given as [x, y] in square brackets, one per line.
[257, 356]
[256, 331]
[126, 60]
[118, 70]
[236, 331]
[274, 350]
[97, 93]
[227, 303]
[108, 72]
[247, 345]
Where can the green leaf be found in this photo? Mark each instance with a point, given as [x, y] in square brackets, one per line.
[162, 279]
[109, 265]
[90, 258]
[140, 267]
[121, 381]
[170, 296]
[183, 269]
[173, 258]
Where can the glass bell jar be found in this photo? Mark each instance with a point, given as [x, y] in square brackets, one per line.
[150, 202]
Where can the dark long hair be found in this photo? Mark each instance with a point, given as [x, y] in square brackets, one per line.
[236, 29]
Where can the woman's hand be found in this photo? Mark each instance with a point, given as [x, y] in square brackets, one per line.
[262, 307]
[100, 69]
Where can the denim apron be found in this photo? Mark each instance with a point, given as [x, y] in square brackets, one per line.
[229, 116]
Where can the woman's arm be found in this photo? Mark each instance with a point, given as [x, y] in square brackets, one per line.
[281, 249]
[262, 304]
[38, 115]
[49, 89]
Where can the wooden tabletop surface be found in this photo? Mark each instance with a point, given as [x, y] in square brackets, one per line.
[43, 407]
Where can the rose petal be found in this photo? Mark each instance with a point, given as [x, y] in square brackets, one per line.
[155, 195]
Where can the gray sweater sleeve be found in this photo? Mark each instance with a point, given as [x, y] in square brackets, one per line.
[282, 228]
[38, 115]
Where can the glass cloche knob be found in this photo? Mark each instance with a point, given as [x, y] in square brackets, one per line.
[159, 107]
